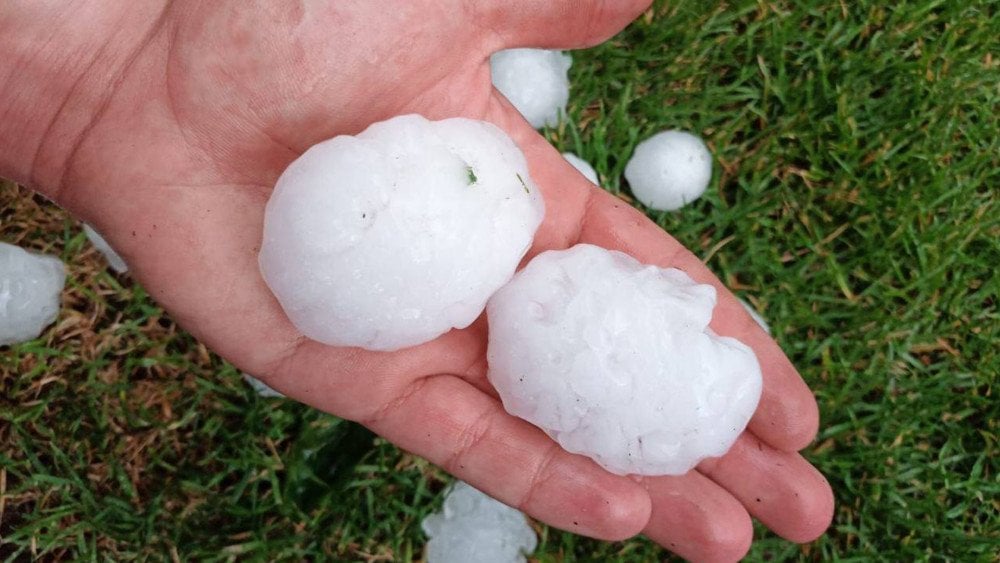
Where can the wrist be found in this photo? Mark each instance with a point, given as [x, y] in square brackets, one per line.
[60, 66]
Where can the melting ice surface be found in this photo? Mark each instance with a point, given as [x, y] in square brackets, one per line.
[114, 260]
[582, 165]
[30, 286]
[669, 170]
[393, 237]
[475, 528]
[535, 81]
[615, 360]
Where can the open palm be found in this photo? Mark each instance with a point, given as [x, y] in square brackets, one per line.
[219, 97]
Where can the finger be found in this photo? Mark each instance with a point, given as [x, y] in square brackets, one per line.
[697, 519]
[787, 416]
[455, 426]
[781, 489]
[556, 24]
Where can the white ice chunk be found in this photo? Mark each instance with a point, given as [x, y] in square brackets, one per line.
[583, 166]
[114, 260]
[669, 170]
[475, 528]
[393, 237]
[30, 287]
[262, 389]
[756, 316]
[615, 360]
[535, 81]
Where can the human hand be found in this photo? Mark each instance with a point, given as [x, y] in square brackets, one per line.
[171, 141]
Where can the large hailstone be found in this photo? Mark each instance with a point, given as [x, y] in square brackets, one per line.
[669, 170]
[114, 259]
[615, 361]
[535, 81]
[393, 237]
[262, 389]
[582, 166]
[30, 287]
[474, 527]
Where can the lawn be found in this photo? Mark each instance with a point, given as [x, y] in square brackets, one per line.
[855, 203]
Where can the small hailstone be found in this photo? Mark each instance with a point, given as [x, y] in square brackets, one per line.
[30, 287]
[391, 238]
[114, 260]
[474, 527]
[615, 360]
[669, 170]
[535, 81]
[756, 316]
[582, 165]
[262, 389]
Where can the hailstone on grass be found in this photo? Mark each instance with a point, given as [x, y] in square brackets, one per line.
[535, 81]
[582, 165]
[475, 528]
[615, 360]
[669, 170]
[262, 389]
[30, 287]
[756, 316]
[393, 237]
[102, 246]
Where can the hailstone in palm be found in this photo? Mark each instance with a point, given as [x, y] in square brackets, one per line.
[30, 287]
[390, 238]
[615, 360]
[669, 170]
[535, 81]
[473, 527]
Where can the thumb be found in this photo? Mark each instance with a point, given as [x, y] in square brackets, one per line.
[557, 24]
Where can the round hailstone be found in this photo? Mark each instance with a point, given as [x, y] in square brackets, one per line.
[30, 286]
[102, 246]
[582, 165]
[756, 316]
[669, 170]
[615, 361]
[474, 527]
[393, 237]
[535, 81]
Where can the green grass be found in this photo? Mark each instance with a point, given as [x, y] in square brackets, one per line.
[856, 203]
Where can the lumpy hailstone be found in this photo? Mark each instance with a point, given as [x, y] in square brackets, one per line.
[669, 170]
[30, 286]
[102, 246]
[393, 237]
[615, 361]
[535, 81]
[474, 527]
[582, 165]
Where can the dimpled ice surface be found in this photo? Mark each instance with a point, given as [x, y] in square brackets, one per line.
[535, 81]
[614, 360]
[102, 246]
[582, 165]
[30, 286]
[475, 528]
[393, 237]
[669, 170]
